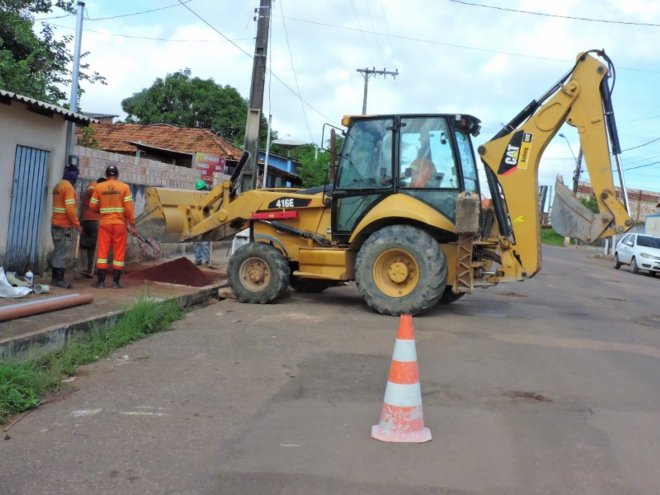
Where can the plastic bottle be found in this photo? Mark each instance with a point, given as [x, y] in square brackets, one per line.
[29, 277]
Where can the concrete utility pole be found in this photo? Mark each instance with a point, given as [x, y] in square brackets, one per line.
[75, 74]
[370, 72]
[250, 171]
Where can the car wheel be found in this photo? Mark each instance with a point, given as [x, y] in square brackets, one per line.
[633, 266]
[401, 269]
[258, 273]
[617, 263]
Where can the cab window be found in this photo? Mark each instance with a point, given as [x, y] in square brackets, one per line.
[468, 167]
[426, 156]
[366, 159]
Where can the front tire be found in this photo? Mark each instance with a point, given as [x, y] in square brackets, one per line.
[401, 269]
[617, 263]
[258, 273]
[633, 266]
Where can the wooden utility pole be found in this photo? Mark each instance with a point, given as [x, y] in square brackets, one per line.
[370, 72]
[255, 104]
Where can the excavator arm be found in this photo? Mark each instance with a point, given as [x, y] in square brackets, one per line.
[581, 99]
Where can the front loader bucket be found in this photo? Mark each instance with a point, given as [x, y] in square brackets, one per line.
[168, 213]
[570, 218]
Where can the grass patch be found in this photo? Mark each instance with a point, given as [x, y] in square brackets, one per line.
[23, 384]
[552, 238]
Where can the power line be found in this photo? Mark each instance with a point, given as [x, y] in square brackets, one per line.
[543, 14]
[456, 45]
[387, 27]
[147, 38]
[641, 166]
[373, 28]
[57, 17]
[295, 75]
[642, 145]
[250, 55]
[138, 13]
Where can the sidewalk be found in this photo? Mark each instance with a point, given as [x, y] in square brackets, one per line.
[51, 330]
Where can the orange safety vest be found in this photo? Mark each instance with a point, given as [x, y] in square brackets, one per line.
[423, 170]
[87, 212]
[64, 205]
[114, 201]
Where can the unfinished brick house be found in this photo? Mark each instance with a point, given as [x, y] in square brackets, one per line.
[186, 147]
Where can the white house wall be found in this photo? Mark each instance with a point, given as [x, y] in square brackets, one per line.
[18, 126]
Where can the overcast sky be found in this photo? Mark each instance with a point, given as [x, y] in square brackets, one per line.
[488, 58]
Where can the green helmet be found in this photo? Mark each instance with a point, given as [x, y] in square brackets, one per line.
[200, 185]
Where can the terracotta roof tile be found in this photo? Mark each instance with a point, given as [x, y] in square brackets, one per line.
[113, 137]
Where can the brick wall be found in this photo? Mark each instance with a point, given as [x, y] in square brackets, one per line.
[139, 173]
[642, 202]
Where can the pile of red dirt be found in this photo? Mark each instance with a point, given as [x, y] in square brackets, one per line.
[180, 271]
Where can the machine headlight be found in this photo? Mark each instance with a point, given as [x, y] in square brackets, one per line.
[645, 255]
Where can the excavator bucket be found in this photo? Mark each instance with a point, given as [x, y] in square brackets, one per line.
[570, 218]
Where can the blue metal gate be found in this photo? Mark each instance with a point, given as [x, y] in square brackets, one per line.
[28, 197]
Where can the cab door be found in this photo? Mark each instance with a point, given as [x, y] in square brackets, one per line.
[365, 174]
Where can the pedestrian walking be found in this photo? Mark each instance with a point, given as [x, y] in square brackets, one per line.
[63, 222]
[89, 219]
[202, 248]
[114, 201]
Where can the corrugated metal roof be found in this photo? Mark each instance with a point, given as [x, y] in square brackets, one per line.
[67, 114]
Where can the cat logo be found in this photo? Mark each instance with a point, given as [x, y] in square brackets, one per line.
[517, 153]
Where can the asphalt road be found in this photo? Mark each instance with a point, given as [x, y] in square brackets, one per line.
[550, 386]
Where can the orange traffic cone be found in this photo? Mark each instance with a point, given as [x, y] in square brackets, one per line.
[402, 419]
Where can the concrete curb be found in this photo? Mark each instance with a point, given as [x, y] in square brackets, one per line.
[56, 337]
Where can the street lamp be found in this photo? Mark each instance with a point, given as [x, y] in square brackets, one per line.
[578, 159]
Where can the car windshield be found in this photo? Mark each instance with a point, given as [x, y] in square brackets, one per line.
[648, 241]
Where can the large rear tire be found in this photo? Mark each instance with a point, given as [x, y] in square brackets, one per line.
[401, 269]
[258, 273]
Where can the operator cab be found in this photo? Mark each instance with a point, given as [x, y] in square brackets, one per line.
[428, 157]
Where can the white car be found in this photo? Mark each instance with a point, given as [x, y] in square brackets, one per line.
[641, 252]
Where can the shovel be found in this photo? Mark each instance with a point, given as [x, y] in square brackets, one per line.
[149, 246]
[76, 258]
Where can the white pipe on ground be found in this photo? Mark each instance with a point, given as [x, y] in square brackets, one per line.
[45, 305]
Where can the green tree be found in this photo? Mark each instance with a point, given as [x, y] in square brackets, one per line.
[36, 65]
[181, 100]
[314, 164]
[591, 203]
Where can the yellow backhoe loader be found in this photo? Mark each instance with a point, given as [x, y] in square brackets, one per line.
[403, 217]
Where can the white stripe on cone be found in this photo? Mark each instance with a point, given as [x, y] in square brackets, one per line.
[404, 351]
[400, 395]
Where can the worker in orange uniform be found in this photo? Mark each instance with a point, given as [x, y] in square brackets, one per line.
[63, 222]
[89, 219]
[423, 169]
[114, 201]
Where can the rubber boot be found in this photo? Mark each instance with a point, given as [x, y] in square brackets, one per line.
[116, 275]
[100, 279]
[59, 279]
[90, 261]
[53, 275]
